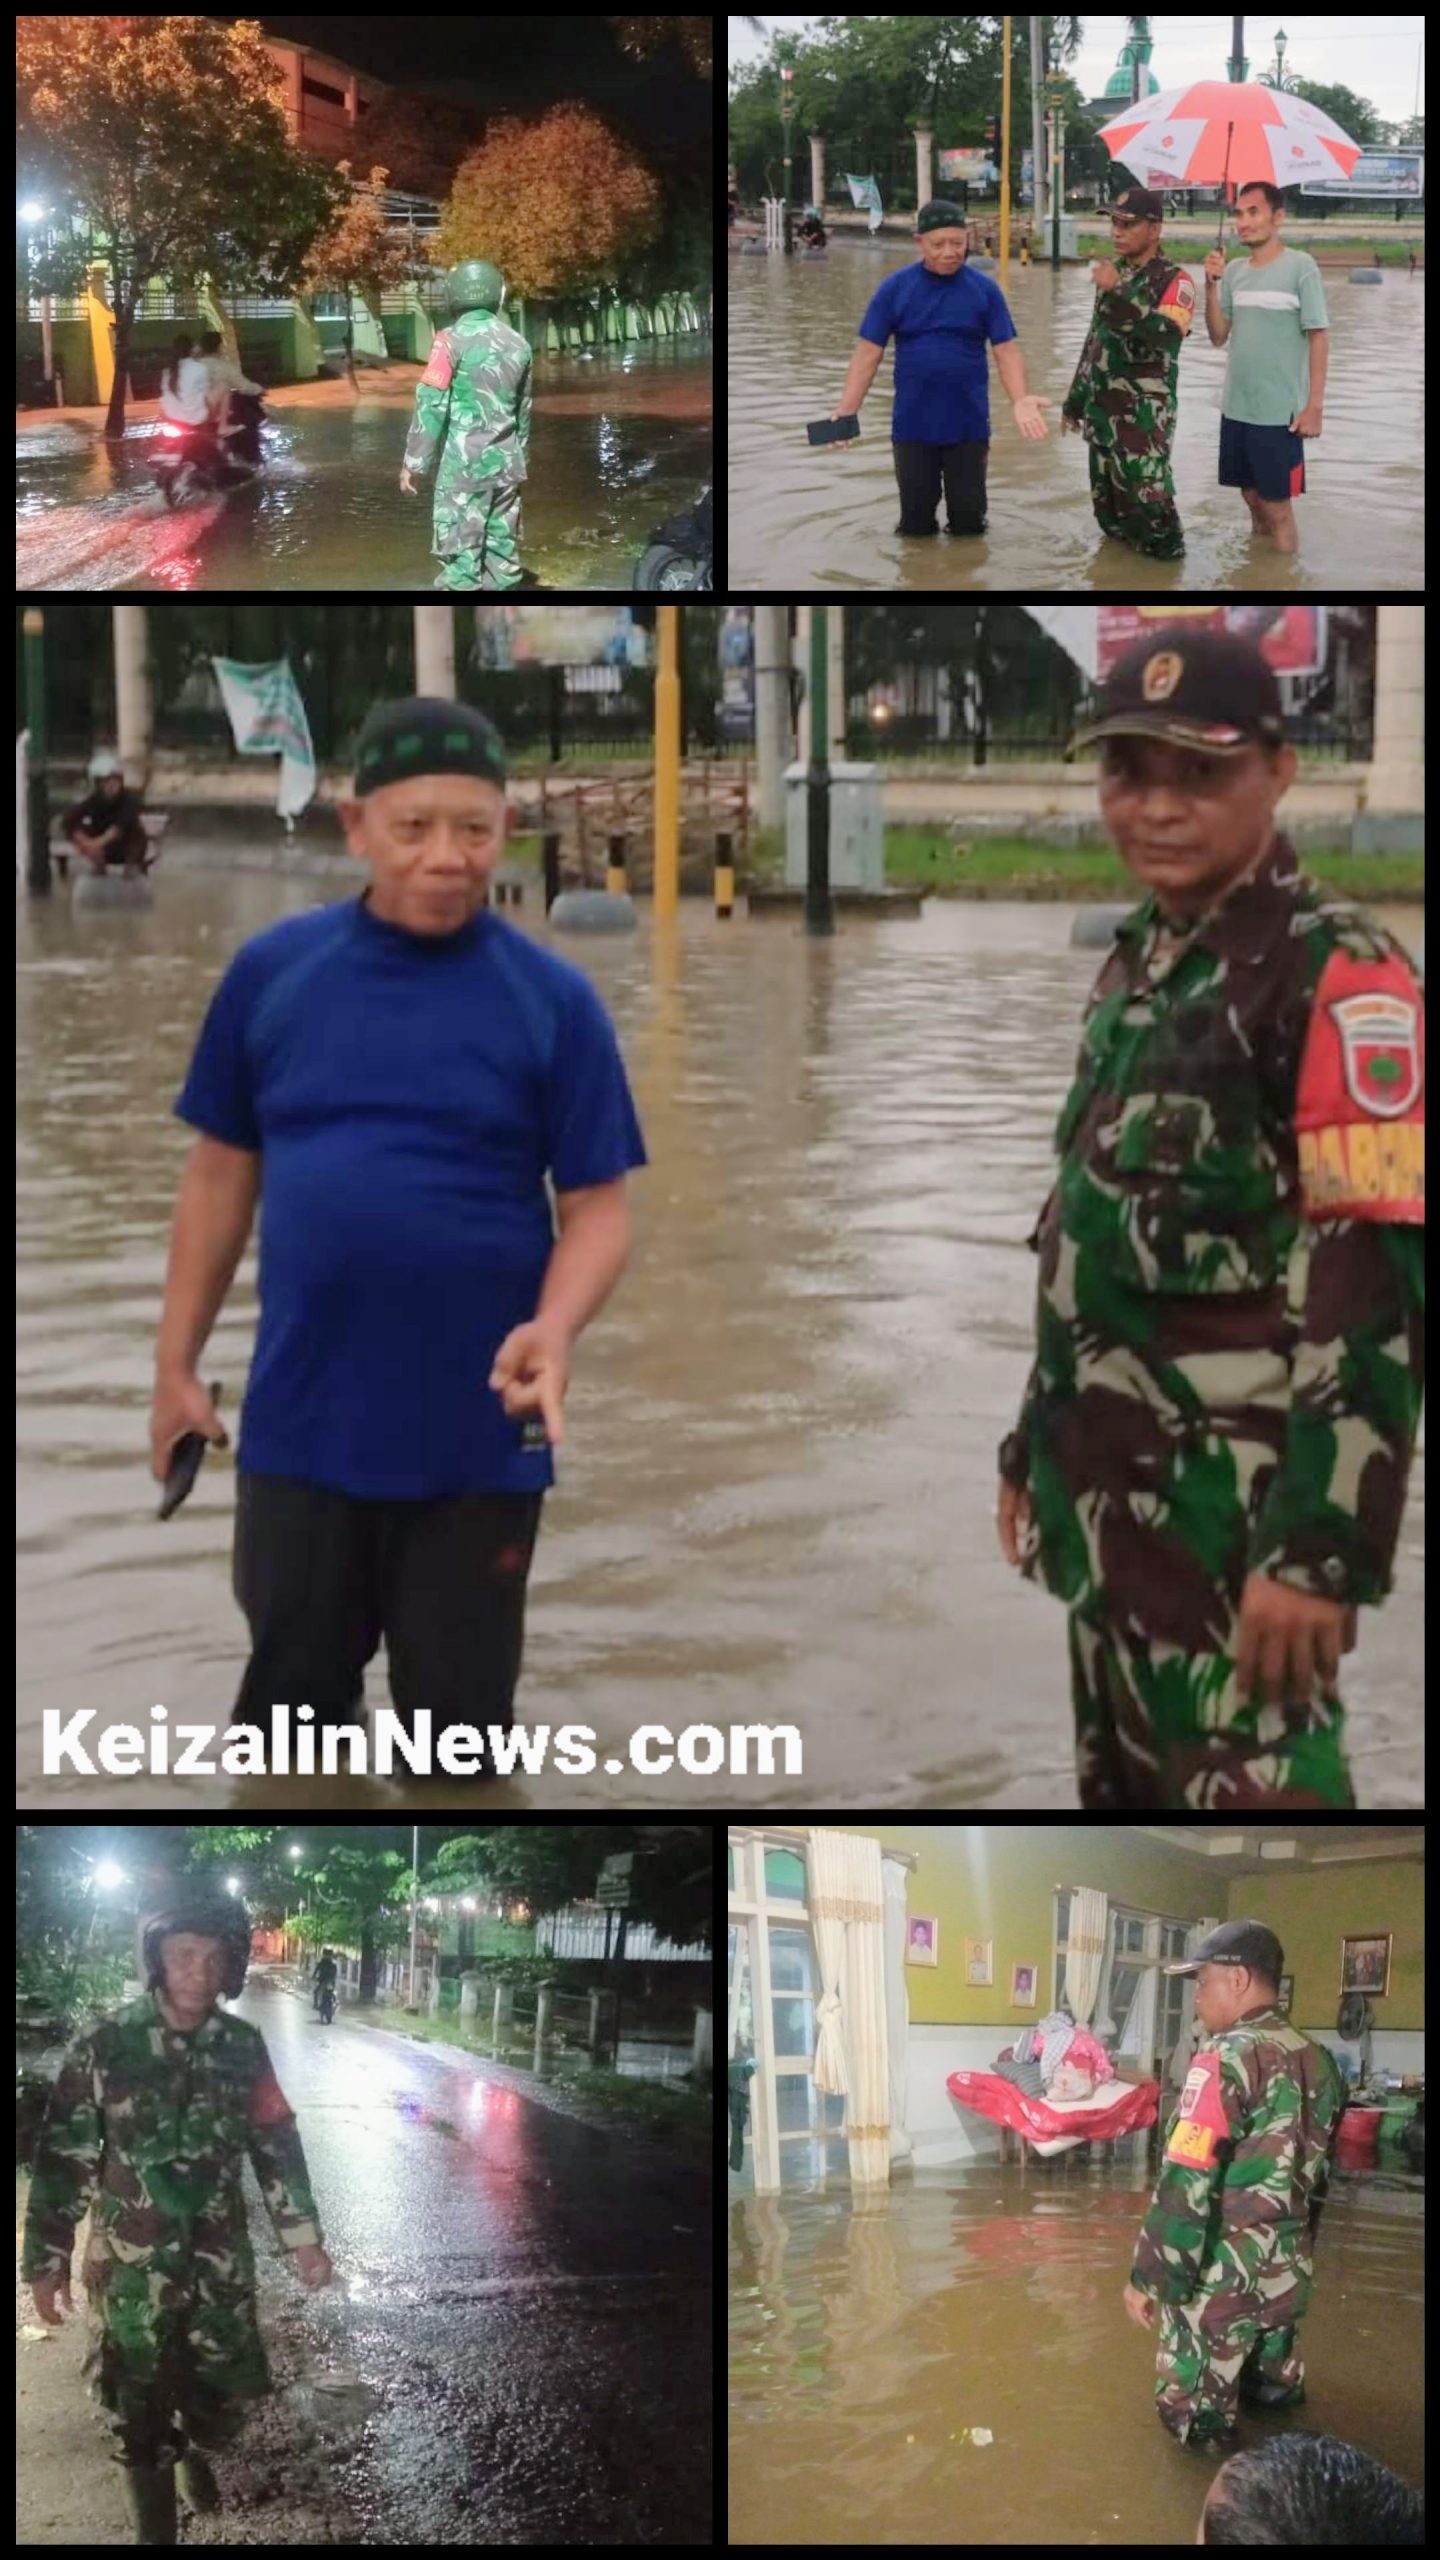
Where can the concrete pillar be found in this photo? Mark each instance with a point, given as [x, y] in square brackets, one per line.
[542, 2023]
[1393, 818]
[704, 2050]
[435, 650]
[772, 711]
[133, 698]
[817, 171]
[504, 2012]
[469, 1996]
[924, 136]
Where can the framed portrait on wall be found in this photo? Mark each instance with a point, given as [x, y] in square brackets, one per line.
[1022, 1985]
[922, 1940]
[980, 1963]
[1365, 1963]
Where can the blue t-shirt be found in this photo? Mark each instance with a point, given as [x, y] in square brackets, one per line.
[407, 1097]
[941, 326]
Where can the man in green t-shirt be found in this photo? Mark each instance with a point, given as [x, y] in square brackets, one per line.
[1273, 306]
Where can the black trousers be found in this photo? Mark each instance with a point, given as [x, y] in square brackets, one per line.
[920, 468]
[321, 1576]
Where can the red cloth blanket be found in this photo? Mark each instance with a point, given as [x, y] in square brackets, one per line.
[1115, 2109]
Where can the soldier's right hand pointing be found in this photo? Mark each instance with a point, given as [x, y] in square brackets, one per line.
[51, 2296]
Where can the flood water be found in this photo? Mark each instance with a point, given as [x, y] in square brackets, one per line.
[868, 2338]
[775, 1498]
[620, 441]
[822, 518]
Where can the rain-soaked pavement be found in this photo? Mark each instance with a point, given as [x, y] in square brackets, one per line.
[823, 518]
[869, 2339]
[775, 1499]
[621, 440]
[520, 2348]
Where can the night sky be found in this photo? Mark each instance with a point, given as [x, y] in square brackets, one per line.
[494, 63]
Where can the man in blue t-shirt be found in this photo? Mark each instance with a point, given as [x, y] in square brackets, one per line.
[394, 1079]
[941, 314]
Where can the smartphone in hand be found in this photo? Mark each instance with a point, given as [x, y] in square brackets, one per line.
[833, 430]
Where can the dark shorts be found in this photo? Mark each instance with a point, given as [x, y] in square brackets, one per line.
[322, 1576]
[920, 470]
[1269, 460]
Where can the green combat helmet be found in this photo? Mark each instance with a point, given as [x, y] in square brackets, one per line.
[475, 286]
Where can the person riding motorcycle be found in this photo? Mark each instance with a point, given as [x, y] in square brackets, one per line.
[472, 408]
[324, 1976]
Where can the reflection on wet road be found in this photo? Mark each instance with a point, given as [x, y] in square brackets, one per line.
[949, 2360]
[620, 441]
[775, 1499]
[816, 517]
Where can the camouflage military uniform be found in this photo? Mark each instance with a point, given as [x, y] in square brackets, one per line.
[149, 2128]
[474, 396]
[1225, 2247]
[1123, 395]
[1230, 1331]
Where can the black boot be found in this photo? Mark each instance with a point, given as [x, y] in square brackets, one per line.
[1261, 2394]
[152, 2502]
[202, 2489]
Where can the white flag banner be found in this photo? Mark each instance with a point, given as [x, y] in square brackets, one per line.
[1076, 627]
[864, 192]
[267, 718]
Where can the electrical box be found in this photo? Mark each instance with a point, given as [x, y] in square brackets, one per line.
[857, 829]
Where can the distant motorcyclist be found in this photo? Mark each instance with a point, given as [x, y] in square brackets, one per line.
[324, 1976]
[224, 379]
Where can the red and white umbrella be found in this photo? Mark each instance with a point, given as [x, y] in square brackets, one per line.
[1226, 133]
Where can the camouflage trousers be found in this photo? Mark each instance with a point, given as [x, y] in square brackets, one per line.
[174, 2358]
[488, 530]
[1134, 498]
[1158, 1729]
[1210, 2350]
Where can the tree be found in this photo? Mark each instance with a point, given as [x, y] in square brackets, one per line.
[641, 37]
[162, 146]
[1353, 115]
[558, 203]
[356, 248]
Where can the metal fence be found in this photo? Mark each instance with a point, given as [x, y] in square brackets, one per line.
[582, 1933]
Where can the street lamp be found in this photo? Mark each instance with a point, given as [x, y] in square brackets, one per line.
[787, 110]
[32, 213]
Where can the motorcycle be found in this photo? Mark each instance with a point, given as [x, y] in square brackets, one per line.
[188, 461]
[679, 550]
[326, 2003]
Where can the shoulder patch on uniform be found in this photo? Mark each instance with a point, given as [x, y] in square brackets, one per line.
[1201, 2122]
[440, 369]
[1178, 302]
[1360, 1099]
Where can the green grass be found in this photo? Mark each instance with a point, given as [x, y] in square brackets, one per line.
[1016, 867]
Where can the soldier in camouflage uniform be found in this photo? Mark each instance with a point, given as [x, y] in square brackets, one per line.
[1122, 399]
[474, 398]
[1211, 1458]
[148, 2124]
[1224, 2253]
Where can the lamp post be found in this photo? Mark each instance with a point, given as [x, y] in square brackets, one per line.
[787, 112]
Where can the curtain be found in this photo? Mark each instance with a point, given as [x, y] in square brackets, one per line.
[847, 1910]
[897, 2001]
[1085, 1953]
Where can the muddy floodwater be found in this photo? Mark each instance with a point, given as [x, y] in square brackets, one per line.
[824, 518]
[949, 2361]
[775, 1498]
[620, 441]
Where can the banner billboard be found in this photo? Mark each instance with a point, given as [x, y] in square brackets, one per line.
[1376, 173]
[555, 635]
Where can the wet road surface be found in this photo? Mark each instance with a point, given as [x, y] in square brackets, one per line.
[822, 519]
[775, 1500]
[621, 440]
[867, 2341]
[523, 2349]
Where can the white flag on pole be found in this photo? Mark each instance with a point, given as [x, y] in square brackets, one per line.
[267, 718]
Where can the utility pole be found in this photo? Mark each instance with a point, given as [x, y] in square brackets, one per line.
[819, 912]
